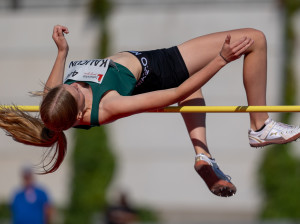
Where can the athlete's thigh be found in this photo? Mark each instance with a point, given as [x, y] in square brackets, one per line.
[199, 51]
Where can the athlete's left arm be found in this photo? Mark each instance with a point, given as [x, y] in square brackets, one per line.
[114, 106]
[57, 74]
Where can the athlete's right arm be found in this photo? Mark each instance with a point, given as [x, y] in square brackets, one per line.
[114, 106]
[57, 74]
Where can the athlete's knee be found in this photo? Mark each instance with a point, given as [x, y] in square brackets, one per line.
[258, 37]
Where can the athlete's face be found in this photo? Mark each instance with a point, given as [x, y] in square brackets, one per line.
[75, 90]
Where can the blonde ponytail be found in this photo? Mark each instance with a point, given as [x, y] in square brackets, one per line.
[30, 130]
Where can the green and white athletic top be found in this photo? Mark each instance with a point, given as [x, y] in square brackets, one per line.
[101, 75]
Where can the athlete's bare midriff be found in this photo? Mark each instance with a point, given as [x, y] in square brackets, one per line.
[129, 61]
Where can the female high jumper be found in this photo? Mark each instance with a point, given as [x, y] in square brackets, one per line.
[100, 91]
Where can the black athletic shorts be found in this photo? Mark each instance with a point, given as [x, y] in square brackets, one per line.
[161, 69]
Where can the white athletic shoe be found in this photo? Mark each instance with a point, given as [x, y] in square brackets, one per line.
[217, 182]
[273, 133]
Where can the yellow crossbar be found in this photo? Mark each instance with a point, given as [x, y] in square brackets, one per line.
[229, 109]
[200, 109]
[23, 108]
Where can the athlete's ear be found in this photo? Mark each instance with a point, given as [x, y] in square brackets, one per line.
[79, 115]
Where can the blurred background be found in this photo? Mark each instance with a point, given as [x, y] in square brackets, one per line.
[140, 169]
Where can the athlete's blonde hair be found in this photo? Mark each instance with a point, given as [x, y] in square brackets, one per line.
[58, 112]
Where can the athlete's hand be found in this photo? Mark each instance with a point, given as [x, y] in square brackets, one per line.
[233, 51]
[59, 38]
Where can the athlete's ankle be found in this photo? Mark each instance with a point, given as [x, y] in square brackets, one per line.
[258, 124]
[204, 153]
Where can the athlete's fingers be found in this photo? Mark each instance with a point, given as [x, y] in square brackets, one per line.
[59, 31]
[231, 52]
[227, 39]
[242, 45]
[58, 37]
[56, 32]
[65, 29]
[238, 42]
[245, 47]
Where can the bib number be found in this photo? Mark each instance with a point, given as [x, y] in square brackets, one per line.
[88, 70]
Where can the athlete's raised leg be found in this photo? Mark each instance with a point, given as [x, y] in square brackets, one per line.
[200, 51]
[197, 53]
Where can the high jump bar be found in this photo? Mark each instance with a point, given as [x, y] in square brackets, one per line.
[196, 109]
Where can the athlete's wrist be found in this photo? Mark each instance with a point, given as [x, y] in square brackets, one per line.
[220, 60]
[62, 53]
[227, 61]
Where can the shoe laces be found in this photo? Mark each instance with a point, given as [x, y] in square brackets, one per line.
[219, 171]
[215, 166]
[285, 127]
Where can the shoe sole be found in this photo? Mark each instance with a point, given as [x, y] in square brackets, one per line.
[216, 185]
[262, 144]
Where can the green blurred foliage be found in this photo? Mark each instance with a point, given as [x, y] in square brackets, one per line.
[292, 6]
[93, 162]
[93, 167]
[100, 9]
[103, 44]
[280, 170]
[146, 215]
[5, 213]
[280, 176]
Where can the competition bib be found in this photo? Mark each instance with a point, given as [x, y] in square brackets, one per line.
[88, 70]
